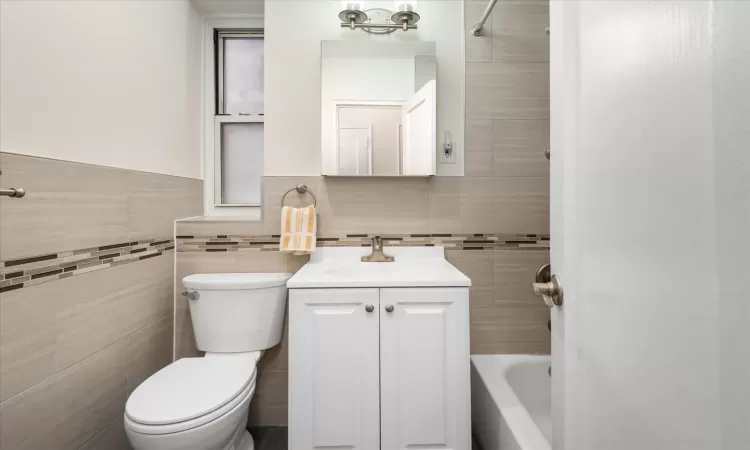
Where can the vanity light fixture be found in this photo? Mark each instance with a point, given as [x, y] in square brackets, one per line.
[385, 21]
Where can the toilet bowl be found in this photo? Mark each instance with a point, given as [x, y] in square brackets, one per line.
[202, 403]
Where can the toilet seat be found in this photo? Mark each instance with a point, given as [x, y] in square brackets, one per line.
[191, 392]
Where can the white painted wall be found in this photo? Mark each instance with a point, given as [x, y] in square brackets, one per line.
[109, 83]
[294, 29]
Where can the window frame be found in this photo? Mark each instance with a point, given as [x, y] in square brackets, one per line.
[251, 25]
[219, 38]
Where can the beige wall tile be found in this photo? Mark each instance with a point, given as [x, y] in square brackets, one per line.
[48, 327]
[479, 164]
[518, 148]
[270, 401]
[445, 205]
[478, 135]
[69, 408]
[509, 330]
[82, 404]
[518, 33]
[507, 91]
[148, 350]
[99, 308]
[156, 201]
[514, 273]
[214, 227]
[489, 205]
[478, 48]
[27, 339]
[377, 205]
[67, 206]
[112, 437]
[478, 265]
[27, 356]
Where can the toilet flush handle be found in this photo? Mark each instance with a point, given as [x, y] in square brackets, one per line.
[192, 295]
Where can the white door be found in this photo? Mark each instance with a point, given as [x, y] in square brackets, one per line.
[419, 121]
[424, 368]
[333, 369]
[650, 208]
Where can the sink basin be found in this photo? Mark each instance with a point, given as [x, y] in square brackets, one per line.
[413, 267]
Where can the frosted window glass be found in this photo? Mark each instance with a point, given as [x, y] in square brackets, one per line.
[241, 163]
[243, 76]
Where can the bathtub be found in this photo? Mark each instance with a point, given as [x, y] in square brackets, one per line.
[510, 402]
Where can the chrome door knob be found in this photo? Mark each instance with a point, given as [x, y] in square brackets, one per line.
[551, 291]
[369, 308]
[388, 308]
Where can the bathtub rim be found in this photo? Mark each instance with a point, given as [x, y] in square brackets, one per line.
[492, 369]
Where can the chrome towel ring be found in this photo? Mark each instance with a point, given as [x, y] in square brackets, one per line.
[301, 188]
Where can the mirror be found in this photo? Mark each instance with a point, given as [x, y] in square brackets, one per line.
[378, 108]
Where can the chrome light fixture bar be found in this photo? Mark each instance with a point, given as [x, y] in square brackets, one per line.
[405, 19]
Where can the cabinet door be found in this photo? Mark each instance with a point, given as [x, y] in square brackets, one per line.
[333, 369]
[424, 369]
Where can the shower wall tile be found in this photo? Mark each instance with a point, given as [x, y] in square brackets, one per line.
[478, 48]
[477, 265]
[513, 274]
[479, 164]
[509, 330]
[507, 91]
[478, 135]
[518, 33]
[490, 205]
[518, 148]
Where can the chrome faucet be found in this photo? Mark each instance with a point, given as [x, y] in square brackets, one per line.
[377, 254]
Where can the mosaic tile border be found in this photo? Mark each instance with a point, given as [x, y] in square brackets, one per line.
[270, 243]
[26, 272]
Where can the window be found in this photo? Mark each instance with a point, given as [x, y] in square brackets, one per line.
[238, 120]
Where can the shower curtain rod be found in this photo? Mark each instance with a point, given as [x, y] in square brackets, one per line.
[478, 29]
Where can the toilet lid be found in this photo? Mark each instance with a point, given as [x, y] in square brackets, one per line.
[190, 388]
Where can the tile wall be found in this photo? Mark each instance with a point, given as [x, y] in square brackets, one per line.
[505, 193]
[86, 297]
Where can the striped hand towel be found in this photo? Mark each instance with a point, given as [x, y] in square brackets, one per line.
[298, 230]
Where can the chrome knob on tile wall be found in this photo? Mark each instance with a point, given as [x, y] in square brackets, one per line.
[369, 308]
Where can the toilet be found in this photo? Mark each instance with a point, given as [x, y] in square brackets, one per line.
[202, 403]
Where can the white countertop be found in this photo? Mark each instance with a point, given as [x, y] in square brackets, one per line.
[340, 267]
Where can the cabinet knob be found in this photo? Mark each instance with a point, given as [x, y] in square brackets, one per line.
[388, 308]
[369, 308]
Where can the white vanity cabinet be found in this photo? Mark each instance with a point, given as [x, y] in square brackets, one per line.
[379, 367]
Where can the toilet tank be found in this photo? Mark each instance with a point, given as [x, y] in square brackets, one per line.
[237, 312]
